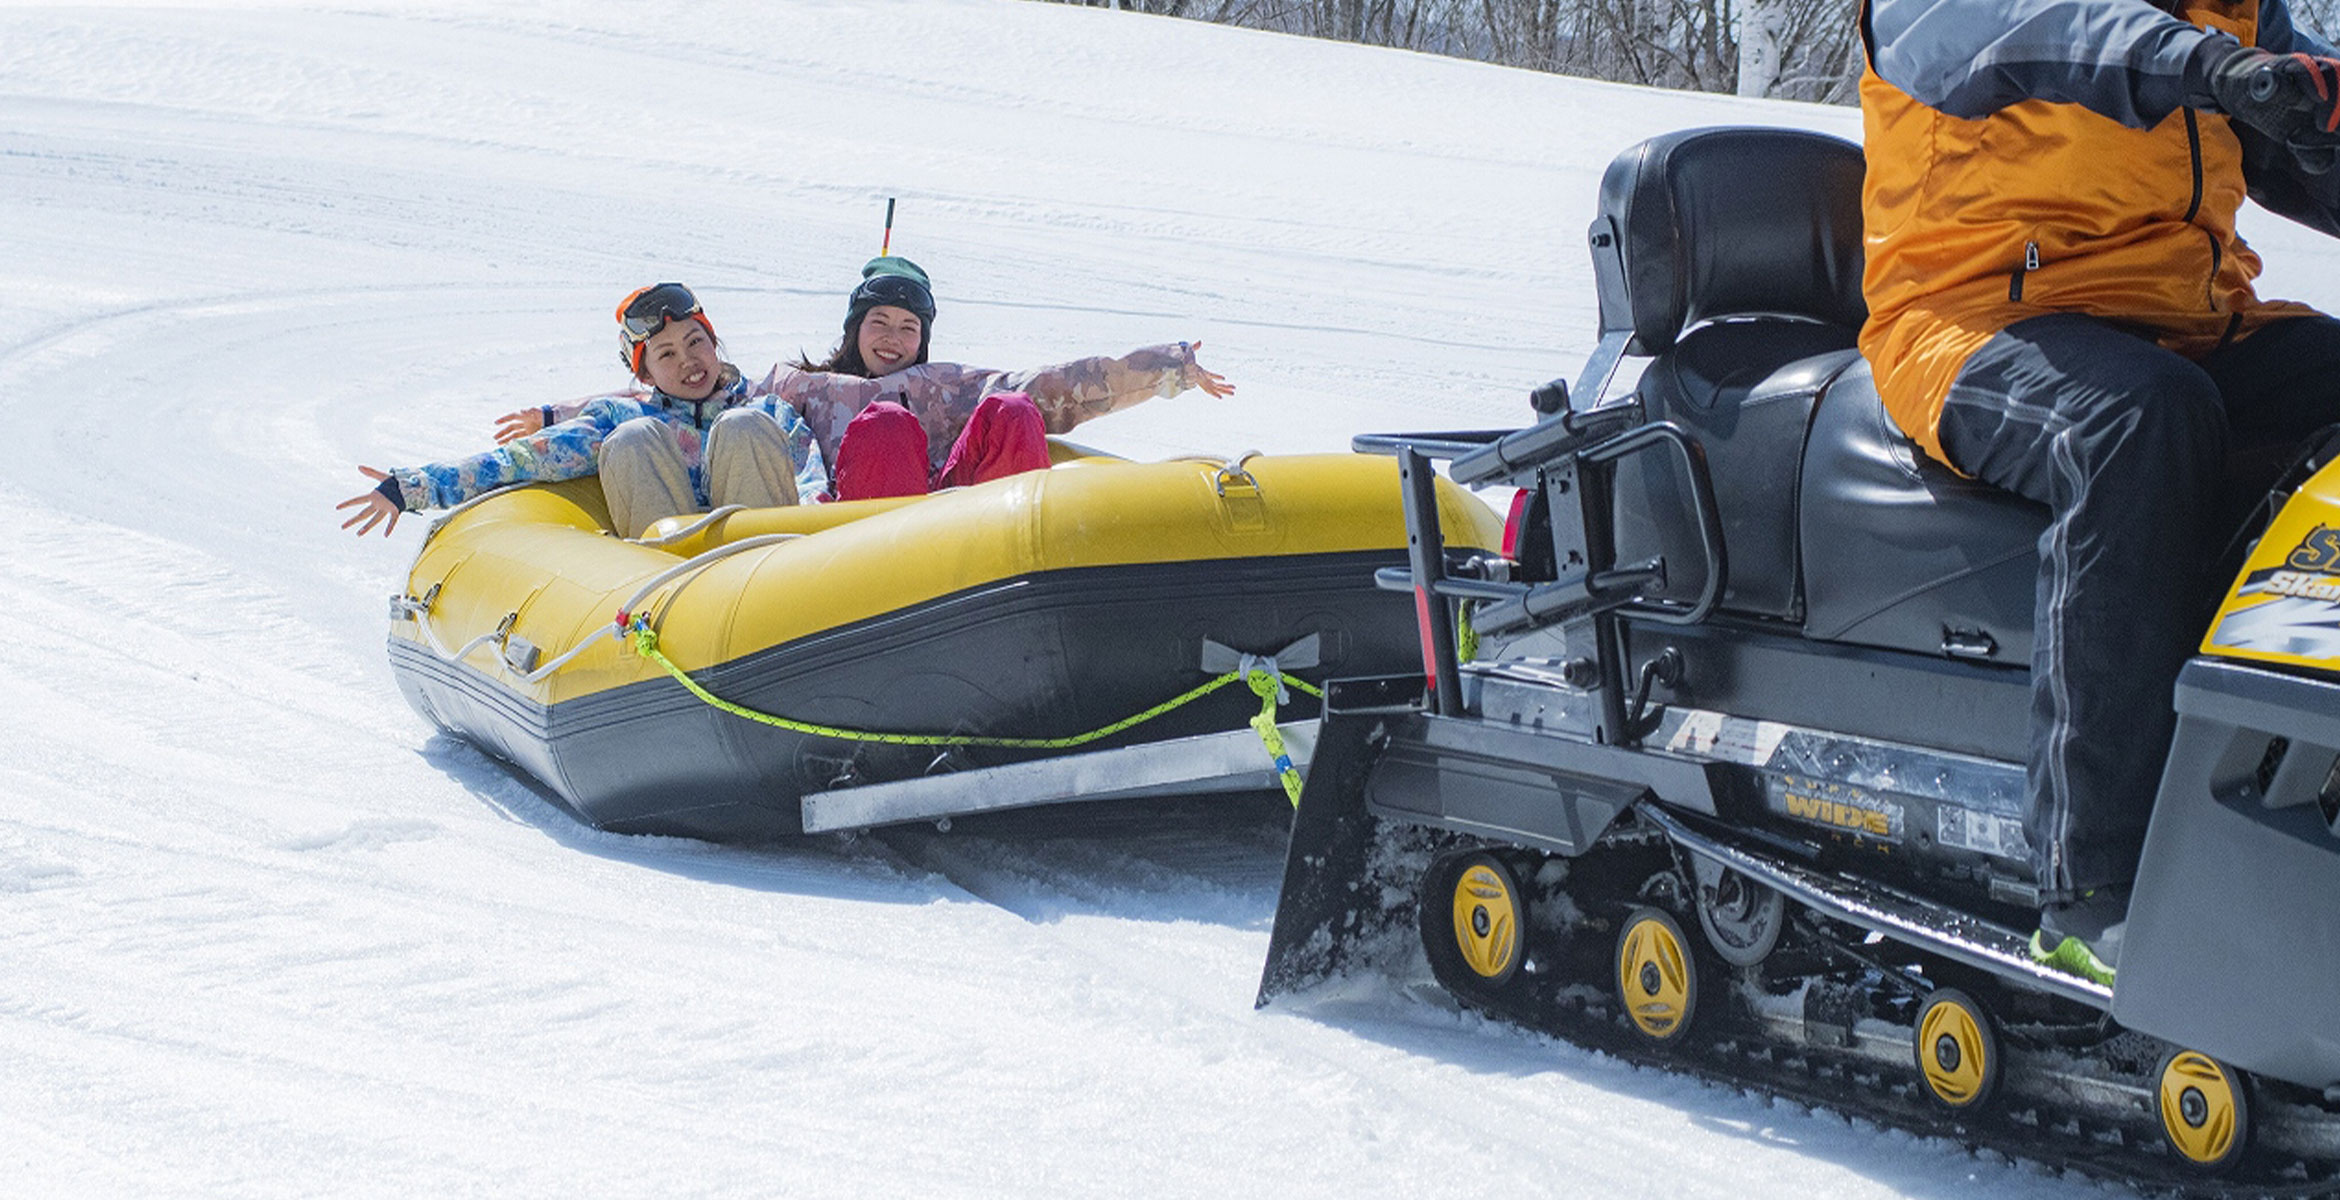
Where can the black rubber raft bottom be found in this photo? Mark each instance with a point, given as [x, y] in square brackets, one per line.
[1045, 655]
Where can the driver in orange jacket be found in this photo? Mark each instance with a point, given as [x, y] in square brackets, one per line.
[2060, 306]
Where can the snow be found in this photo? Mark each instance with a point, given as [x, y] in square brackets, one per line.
[264, 933]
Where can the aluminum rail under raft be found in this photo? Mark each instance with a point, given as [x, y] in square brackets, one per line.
[1227, 762]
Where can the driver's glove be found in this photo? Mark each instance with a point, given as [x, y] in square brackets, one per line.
[2293, 98]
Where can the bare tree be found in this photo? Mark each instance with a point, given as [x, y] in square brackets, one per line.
[1807, 48]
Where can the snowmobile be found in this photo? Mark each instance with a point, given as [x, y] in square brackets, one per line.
[1718, 764]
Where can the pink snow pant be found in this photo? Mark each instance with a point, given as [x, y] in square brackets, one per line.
[883, 452]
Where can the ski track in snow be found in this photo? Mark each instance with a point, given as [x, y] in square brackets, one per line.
[264, 933]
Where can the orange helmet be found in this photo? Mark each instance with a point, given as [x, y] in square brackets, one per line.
[645, 311]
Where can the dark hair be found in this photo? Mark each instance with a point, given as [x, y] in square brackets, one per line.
[846, 358]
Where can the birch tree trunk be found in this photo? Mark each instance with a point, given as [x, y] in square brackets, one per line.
[1760, 60]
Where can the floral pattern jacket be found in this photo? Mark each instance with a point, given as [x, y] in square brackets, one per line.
[571, 448]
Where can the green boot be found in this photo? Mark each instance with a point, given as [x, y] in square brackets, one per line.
[2071, 956]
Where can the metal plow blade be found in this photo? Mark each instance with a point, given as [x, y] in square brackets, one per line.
[1344, 900]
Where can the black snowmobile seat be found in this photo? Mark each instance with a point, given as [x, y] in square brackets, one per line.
[1901, 551]
[1733, 256]
[1737, 266]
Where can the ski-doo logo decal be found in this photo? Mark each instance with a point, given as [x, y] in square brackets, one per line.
[2295, 583]
[2318, 551]
[1838, 807]
[2292, 611]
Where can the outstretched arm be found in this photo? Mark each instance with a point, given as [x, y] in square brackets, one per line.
[944, 395]
[569, 450]
[520, 422]
[1070, 393]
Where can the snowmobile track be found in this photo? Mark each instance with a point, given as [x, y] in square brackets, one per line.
[1736, 1058]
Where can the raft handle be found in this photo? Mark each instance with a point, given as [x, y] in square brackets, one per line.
[407, 608]
[521, 655]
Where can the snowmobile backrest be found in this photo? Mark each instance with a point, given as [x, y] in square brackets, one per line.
[1733, 258]
[1704, 224]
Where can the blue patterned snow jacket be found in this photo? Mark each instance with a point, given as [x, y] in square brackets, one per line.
[572, 448]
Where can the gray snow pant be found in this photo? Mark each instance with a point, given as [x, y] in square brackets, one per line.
[2130, 447]
[646, 478]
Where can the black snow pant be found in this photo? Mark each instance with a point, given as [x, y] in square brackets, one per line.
[2130, 447]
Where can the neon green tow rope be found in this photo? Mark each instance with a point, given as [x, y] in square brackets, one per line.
[1263, 683]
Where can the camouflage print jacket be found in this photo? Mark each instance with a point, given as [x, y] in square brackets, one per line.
[944, 395]
[571, 448]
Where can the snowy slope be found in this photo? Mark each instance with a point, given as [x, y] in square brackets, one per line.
[262, 933]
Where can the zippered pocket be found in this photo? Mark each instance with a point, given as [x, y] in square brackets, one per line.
[2030, 263]
[2217, 261]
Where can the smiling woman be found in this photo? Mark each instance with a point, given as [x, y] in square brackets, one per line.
[888, 321]
[883, 451]
[699, 437]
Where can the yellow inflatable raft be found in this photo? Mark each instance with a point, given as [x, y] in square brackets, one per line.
[767, 654]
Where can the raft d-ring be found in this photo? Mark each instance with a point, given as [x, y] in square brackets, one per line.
[1234, 472]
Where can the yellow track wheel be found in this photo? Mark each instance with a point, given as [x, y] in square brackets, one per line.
[1656, 977]
[1957, 1053]
[1488, 912]
[2205, 1110]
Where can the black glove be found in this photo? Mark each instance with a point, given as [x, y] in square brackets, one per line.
[2280, 95]
[2292, 98]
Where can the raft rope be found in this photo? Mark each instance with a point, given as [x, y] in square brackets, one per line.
[1260, 672]
[419, 610]
[1266, 680]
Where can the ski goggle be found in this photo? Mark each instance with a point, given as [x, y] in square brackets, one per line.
[647, 311]
[641, 315]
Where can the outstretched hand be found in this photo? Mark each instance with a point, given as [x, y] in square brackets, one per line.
[372, 506]
[518, 423]
[1211, 382]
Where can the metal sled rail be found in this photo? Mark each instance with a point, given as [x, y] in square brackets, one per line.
[1207, 763]
[1977, 943]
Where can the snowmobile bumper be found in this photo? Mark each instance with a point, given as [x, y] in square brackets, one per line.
[1327, 905]
[2233, 945]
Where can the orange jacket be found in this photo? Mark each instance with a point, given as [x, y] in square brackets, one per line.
[2031, 183]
